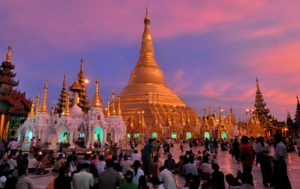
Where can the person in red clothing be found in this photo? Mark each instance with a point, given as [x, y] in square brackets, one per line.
[155, 166]
[247, 155]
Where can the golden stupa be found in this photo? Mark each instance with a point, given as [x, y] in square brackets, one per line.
[149, 106]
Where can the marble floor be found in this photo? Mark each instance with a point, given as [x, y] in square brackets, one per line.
[227, 165]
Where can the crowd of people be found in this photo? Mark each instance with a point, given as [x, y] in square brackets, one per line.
[149, 169]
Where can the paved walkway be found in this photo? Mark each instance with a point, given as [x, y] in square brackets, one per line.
[227, 165]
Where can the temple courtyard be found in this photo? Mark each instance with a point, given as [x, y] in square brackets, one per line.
[227, 165]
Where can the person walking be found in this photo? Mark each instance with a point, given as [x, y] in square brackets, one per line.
[263, 158]
[146, 157]
[236, 149]
[181, 144]
[247, 155]
[281, 179]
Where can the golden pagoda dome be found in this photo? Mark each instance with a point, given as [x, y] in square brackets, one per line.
[147, 77]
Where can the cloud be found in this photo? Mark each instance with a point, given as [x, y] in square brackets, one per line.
[218, 46]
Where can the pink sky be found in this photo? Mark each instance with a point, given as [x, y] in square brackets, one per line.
[211, 51]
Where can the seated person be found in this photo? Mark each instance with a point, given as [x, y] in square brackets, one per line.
[135, 156]
[128, 184]
[170, 163]
[190, 167]
[32, 163]
[59, 162]
[205, 169]
[40, 170]
[217, 177]
[232, 182]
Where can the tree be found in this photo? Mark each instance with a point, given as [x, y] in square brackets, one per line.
[297, 115]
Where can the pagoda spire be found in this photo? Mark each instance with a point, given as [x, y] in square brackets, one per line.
[6, 73]
[119, 111]
[221, 118]
[141, 72]
[97, 99]
[53, 110]
[113, 100]
[37, 103]
[31, 113]
[81, 65]
[61, 105]
[44, 103]
[210, 111]
[67, 111]
[9, 54]
[83, 97]
[108, 108]
[260, 107]
[204, 117]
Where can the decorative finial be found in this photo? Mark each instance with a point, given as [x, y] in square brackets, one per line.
[44, 103]
[8, 55]
[81, 64]
[31, 113]
[64, 82]
[97, 102]
[257, 84]
[147, 18]
[119, 112]
[52, 110]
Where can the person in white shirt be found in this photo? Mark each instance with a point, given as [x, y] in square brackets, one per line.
[281, 179]
[206, 168]
[137, 172]
[167, 178]
[13, 144]
[32, 164]
[83, 179]
[126, 165]
[135, 156]
[11, 162]
[101, 165]
[190, 167]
